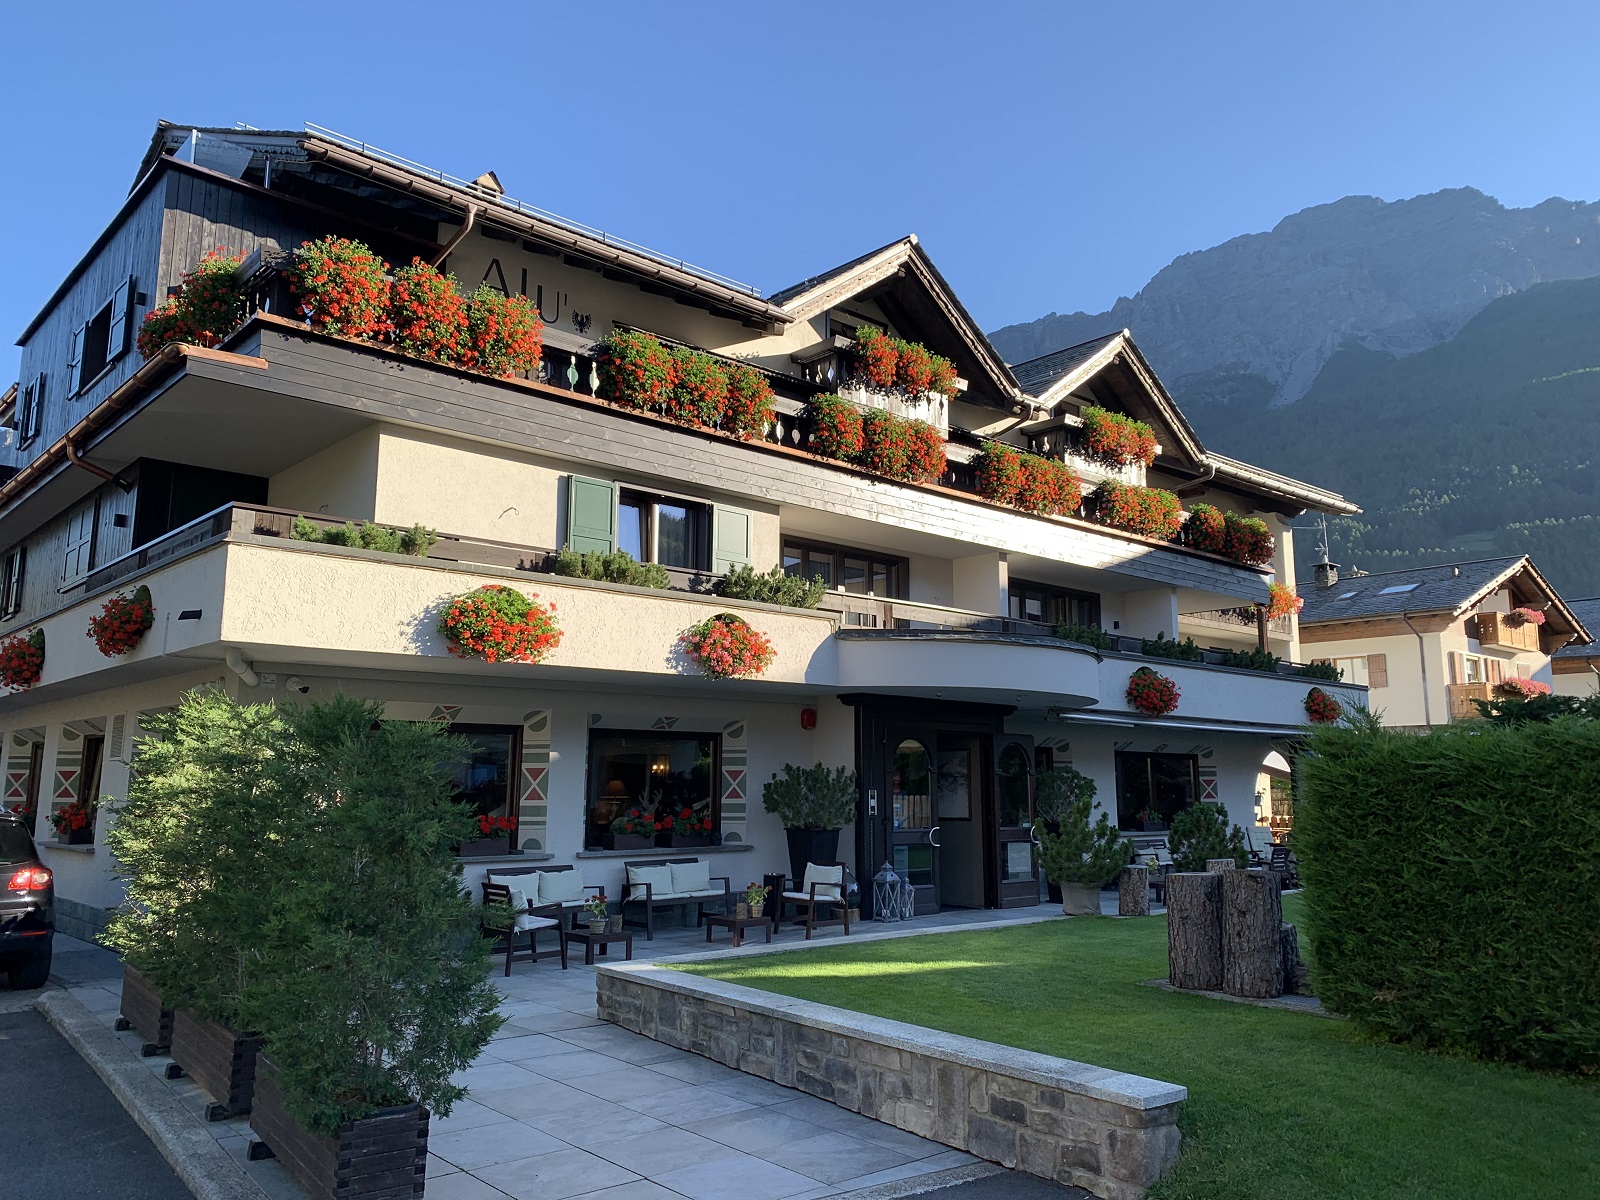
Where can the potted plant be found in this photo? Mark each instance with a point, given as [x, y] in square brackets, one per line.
[1150, 821]
[1082, 858]
[496, 835]
[122, 621]
[22, 660]
[755, 899]
[725, 646]
[685, 827]
[814, 804]
[596, 912]
[363, 912]
[1057, 791]
[633, 830]
[74, 823]
[499, 624]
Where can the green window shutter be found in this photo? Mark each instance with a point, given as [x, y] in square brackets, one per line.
[591, 514]
[730, 538]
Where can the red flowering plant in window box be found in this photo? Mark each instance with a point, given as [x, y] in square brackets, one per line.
[750, 404]
[207, 308]
[1285, 601]
[342, 287]
[901, 448]
[1205, 528]
[1116, 439]
[1048, 487]
[1152, 693]
[836, 427]
[877, 359]
[1246, 539]
[913, 367]
[22, 659]
[1519, 617]
[122, 621]
[636, 371]
[491, 826]
[699, 390]
[1143, 510]
[1521, 689]
[428, 313]
[998, 468]
[725, 646]
[944, 376]
[1321, 708]
[684, 827]
[74, 823]
[504, 335]
[499, 624]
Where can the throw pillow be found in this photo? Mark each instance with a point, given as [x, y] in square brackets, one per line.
[691, 877]
[523, 888]
[659, 879]
[561, 887]
[830, 881]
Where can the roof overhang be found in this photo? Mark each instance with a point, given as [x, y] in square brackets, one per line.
[1258, 479]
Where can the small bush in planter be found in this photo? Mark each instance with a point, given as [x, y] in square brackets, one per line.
[1060, 790]
[416, 541]
[1087, 635]
[813, 804]
[617, 567]
[1082, 858]
[1201, 832]
[772, 587]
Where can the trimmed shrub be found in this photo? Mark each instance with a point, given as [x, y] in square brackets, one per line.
[1322, 668]
[1078, 852]
[1253, 659]
[776, 586]
[617, 567]
[1087, 635]
[1161, 646]
[1450, 885]
[416, 541]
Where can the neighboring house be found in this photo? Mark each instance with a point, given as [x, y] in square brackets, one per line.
[1429, 641]
[932, 667]
[1575, 668]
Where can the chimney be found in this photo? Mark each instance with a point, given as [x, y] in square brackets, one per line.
[1325, 573]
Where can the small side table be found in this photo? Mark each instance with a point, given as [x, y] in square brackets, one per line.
[775, 885]
[737, 926]
[589, 941]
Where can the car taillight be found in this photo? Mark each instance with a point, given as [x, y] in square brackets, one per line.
[30, 879]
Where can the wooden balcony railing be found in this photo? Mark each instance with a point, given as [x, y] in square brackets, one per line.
[1462, 695]
[1494, 630]
[1238, 620]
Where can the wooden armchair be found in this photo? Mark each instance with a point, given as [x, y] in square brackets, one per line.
[825, 886]
[526, 921]
[1282, 861]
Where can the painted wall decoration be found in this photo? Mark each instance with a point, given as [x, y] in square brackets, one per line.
[735, 782]
[533, 798]
[68, 766]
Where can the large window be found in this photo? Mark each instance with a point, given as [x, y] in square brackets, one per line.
[862, 572]
[1153, 788]
[664, 529]
[1053, 605]
[656, 772]
[485, 772]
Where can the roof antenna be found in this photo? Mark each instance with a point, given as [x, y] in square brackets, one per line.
[1324, 573]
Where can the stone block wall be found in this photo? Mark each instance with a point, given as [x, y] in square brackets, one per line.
[1111, 1133]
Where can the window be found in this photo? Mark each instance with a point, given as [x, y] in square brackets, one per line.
[11, 582]
[656, 772]
[30, 412]
[862, 572]
[485, 770]
[88, 791]
[1355, 669]
[80, 544]
[1053, 605]
[1161, 785]
[1473, 670]
[95, 350]
[665, 530]
[1397, 589]
[102, 339]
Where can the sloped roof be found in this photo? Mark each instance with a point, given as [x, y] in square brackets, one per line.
[1038, 375]
[1588, 612]
[843, 269]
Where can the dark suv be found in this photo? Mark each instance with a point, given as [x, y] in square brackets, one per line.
[27, 906]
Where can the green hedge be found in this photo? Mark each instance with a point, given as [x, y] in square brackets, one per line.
[1451, 885]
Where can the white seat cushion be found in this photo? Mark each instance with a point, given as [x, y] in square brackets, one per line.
[560, 887]
[702, 893]
[526, 922]
[659, 879]
[523, 888]
[691, 877]
[668, 895]
[830, 881]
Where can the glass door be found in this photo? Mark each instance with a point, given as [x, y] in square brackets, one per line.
[913, 835]
[1017, 871]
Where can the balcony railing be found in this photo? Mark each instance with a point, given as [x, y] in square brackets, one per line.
[1239, 620]
[1462, 695]
[1495, 631]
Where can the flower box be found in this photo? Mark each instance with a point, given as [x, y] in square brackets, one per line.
[483, 847]
[221, 1061]
[683, 839]
[383, 1155]
[142, 1012]
[626, 841]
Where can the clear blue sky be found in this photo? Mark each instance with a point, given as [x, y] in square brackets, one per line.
[1051, 156]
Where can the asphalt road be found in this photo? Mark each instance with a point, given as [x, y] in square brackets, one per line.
[65, 1136]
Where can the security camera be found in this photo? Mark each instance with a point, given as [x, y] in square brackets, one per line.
[295, 684]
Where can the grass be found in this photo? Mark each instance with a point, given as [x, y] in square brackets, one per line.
[1281, 1105]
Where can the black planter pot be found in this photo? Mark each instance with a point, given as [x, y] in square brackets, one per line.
[810, 845]
[627, 841]
[683, 839]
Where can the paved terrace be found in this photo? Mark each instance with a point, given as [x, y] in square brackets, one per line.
[562, 1105]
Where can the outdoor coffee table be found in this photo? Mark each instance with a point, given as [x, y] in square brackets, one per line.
[589, 941]
[737, 926]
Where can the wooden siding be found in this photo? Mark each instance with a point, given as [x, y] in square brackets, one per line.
[203, 215]
[44, 572]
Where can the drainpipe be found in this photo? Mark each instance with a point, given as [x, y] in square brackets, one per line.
[1422, 657]
[78, 460]
[234, 657]
[466, 228]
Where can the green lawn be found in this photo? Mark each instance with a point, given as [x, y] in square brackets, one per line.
[1281, 1105]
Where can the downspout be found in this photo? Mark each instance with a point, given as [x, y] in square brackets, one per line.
[466, 228]
[78, 460]
[1422, 657]
[235, 659]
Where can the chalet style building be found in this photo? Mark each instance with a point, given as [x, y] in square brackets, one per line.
[1429, 641]
[1575, 668]
[963, 643]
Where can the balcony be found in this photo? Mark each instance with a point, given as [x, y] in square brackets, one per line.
[1462, 695]
[1238, 621]
[1495, 632]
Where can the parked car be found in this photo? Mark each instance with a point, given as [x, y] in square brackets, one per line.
[27, 906]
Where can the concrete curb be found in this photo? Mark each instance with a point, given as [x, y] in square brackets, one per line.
[208, 1170]
[920, 1184]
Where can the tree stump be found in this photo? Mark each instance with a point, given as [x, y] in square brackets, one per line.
[1252, 925]
[1296, 978]
[1133, 892]
[1220, 864]
[1194, 931]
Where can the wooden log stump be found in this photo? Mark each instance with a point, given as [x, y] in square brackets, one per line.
[1252, 924]
[1133, 892]
[1194, 931]
[1221, 864]
[1296, 977]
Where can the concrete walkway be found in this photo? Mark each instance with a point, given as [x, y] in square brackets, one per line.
[562, 1105]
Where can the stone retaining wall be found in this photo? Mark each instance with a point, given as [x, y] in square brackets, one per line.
[1111, 1133]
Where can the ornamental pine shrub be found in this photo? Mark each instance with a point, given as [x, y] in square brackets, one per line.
[1200, 832]
[617, 567]
[1086, 635]
[772, 587]
[416, 541]
[1450, 884]
[1078, 852]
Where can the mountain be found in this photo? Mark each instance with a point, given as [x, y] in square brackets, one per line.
[1262, 314]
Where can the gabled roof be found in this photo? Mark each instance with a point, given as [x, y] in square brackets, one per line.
[1038, 375]
[1449, 589]
[1588, 612]
[904, 257]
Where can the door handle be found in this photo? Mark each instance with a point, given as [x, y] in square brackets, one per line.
[932, 841]
[1033, 835]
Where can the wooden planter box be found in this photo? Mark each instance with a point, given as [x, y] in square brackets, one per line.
[683, 840]
[627, 841]
[381, 1157]
[485, 847]
[142, 1011]
[219, 1060]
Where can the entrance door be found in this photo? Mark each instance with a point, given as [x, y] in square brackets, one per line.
[961, 809]
[1017, 859]
[913, 836]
